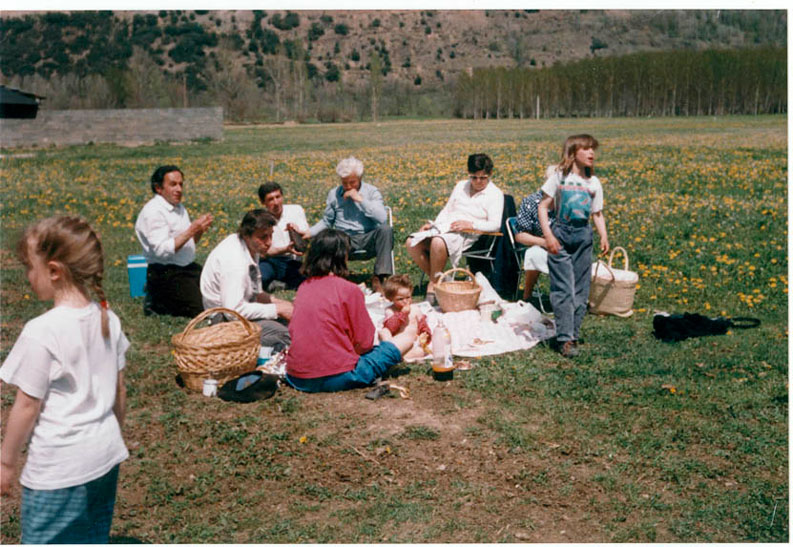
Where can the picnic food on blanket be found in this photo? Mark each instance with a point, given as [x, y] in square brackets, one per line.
[424, 342]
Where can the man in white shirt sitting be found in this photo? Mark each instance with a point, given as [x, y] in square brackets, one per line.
[280, 267]
[168, 239]
[231, 279]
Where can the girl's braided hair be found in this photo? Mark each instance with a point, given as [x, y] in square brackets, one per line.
[72, 242]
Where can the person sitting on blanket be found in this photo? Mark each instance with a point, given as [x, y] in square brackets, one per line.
[475, 204]
[399, 291]
[332, 334]
[529, 233]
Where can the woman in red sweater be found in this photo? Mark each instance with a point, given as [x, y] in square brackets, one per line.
[332, 334]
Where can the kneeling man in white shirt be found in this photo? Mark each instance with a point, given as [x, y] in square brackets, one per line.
[231, 279]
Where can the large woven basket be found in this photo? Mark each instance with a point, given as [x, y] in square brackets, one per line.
[457, 295]
[223, 351]
[612, 292]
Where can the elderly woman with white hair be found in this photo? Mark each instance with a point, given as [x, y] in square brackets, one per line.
[357, 209]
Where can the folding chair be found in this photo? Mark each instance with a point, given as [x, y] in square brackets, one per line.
[361, 254]
[483, 249]
[519, 249]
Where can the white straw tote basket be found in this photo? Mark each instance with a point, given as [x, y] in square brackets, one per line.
[612, 290]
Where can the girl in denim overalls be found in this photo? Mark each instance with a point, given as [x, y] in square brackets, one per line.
[575, 194]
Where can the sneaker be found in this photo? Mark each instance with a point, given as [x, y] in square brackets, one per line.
[275, 285]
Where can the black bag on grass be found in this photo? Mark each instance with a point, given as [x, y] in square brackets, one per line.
[676, 327]
[250, 387]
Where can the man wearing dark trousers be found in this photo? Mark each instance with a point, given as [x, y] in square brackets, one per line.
[357, 209]
[168, 238]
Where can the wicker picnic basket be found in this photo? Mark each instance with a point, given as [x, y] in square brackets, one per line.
[223, 351]
[457, 295]
[612, 290]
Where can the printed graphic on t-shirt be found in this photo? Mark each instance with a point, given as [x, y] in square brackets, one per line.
[576, 202]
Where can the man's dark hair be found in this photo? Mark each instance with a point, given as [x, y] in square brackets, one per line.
[254, 221]
[267, 187]
[327, 254]
[158, 177]
[480, 162]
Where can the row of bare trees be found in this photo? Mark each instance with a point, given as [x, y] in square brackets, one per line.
[678, 83]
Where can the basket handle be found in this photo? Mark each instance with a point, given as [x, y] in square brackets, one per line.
[453, 270]
[206, 313]
[624, 255]
[607, 266]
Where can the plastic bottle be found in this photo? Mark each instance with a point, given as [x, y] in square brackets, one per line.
[441, 347]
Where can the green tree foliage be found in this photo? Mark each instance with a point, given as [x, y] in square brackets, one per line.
[341, 29]
[597, 44]
[678, 83]
[315, 32]
[288, 22]
[333, 74]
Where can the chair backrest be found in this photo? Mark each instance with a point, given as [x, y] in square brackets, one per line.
[512, 230]
[512, 225]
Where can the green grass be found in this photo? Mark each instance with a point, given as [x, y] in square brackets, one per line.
[634, 441]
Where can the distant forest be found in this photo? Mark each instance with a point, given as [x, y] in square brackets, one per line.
[677, 83]
[275, 69]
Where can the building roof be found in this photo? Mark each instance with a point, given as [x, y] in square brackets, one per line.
[9, 95]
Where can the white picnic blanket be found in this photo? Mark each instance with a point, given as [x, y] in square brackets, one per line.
[519, 327]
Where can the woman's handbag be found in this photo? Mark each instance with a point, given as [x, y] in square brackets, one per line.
[612, 290]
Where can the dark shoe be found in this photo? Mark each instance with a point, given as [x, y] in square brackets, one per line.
[275, 285]
[568, 349]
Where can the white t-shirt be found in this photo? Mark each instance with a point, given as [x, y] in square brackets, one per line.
[61, 358]
[157, 226]
[574, 197]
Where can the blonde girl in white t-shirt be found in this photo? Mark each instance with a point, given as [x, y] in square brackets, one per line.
[67, 365]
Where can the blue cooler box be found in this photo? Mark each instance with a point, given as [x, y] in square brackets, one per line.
[136, 269]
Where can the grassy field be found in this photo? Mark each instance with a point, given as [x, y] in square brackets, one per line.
[635, 440]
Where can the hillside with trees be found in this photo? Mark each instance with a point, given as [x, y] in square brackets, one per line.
[337, 65]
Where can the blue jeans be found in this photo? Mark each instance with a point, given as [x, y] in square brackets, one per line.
[281, 268]
[78, 514]
[571, 272]
[371, 365]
